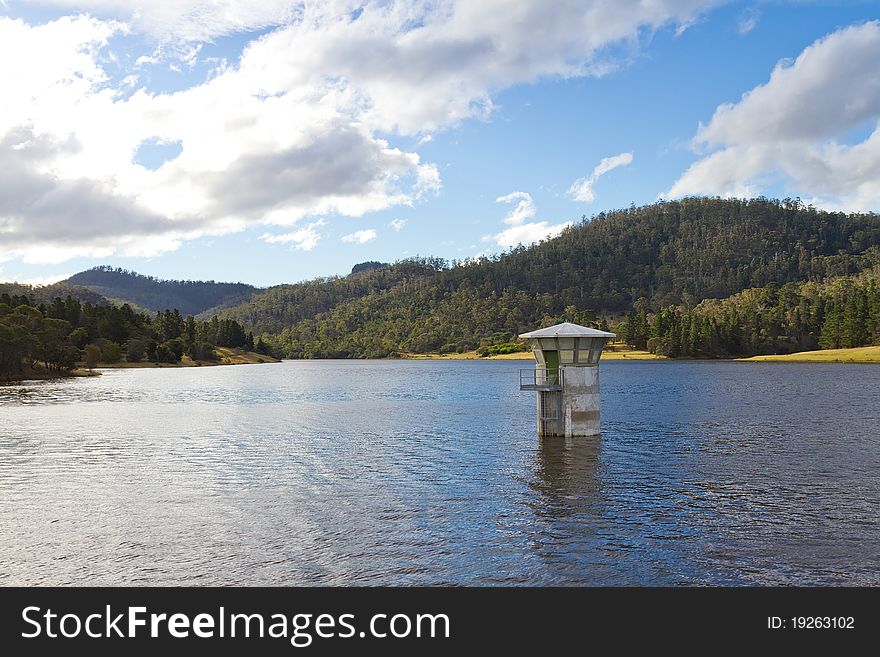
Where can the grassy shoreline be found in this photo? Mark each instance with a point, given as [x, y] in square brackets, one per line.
[855, 355]
[225, 356]
[608, 354]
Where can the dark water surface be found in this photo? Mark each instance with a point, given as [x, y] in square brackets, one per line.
[408, 472]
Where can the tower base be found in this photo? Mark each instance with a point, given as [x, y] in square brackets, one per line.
[574, 410]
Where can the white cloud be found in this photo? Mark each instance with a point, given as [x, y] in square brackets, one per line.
[297, 128]
[529, 233]
[41, 280]
[187, 20]
[360, 236]
[748, 20]
[582, 188]
[246, 158]
[304, 239]
[521, 232]
[524, 210]
[398, 224]
[789, 130]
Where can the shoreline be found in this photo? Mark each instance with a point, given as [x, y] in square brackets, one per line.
[855, 355]
[613, 354]
[42, 374]
[226, 356]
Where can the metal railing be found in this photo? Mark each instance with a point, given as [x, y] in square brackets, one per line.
[540, 378]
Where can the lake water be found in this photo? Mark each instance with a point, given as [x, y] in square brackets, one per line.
[414, 472]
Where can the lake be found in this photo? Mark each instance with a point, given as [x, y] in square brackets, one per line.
[430, 472]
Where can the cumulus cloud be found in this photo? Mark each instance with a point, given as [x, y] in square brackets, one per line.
[41, 214]
[582, 188]
[245, 157]
[360, 236]
[304, 239]
[398, 224]
[792, 130]
[522, 231]
[188, 20]
[301, 126]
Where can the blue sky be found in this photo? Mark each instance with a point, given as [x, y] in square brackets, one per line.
[359, 131]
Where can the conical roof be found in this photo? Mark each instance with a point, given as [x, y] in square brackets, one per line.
[568, 330]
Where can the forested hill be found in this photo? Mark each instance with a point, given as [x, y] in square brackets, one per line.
[651, 257]
[697, 247]
[46, 294]
[189, 297]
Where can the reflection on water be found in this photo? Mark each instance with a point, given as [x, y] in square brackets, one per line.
[381, 472]
[565, 475]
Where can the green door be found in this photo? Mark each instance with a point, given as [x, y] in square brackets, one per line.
[552, 360]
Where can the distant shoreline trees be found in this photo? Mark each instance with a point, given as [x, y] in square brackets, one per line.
[842, 312]
[58, 335]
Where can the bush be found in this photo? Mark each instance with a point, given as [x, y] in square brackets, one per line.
[165, 354]
[177, 347]
[91, 356]
[135, 350]
[508, 348]
[68, 357]
[201, 351]
[79, 337]
[111, 352]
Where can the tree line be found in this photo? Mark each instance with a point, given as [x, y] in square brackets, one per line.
[841, 312]
[66, 331]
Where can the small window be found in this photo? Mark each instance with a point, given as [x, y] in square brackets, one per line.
[566, 356]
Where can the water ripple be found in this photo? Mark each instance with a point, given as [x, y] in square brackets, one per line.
[381, 472]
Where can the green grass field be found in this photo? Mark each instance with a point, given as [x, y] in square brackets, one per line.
[855, 355]
[614, 353]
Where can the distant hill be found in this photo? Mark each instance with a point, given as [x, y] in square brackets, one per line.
[276, 308]
[154, 294]
[45, 294]
[367, 266]
[648, 258]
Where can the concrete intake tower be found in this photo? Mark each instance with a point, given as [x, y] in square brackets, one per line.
[566, 378]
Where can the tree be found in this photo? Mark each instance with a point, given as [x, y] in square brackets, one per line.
[831, 337]
[112, 352]
[91, 356]
[164, 354]
[79, 337]
[135, 350]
